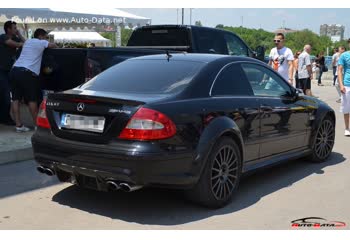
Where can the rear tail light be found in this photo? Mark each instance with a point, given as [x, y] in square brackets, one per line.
[148, 124]
[41, 120]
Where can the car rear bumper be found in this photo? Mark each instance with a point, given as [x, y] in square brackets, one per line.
[116, 161]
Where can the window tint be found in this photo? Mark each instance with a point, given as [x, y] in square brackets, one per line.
[265, 82]
[160, 37]
[235, 46]
[232, 81]
[145, 76]
[210, 41]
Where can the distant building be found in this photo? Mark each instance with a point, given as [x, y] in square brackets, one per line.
[285, 31]
[334, 31]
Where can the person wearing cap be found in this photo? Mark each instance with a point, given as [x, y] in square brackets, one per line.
[344, 85]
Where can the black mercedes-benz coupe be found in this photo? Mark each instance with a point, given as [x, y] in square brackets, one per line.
[184, 121]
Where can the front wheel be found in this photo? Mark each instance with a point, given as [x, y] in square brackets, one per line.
[324, 141]
[220, 177]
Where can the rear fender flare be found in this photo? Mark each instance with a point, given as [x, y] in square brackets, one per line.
[218, 127]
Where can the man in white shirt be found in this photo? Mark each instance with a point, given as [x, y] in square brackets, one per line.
[25, 76]
[281, 58]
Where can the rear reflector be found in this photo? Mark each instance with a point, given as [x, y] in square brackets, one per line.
[41, 120]
[148, 124]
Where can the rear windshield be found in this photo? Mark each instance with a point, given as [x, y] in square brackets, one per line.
[160, 37]
[146, 77]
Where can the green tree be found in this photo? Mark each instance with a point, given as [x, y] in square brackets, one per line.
[295, 41]
[198, 23]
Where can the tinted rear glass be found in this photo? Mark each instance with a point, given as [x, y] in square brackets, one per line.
[160, 37]
[146, 76]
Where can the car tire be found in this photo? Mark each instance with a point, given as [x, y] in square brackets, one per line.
[323, 142]
[220, 177]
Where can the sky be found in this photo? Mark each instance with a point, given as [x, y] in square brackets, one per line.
[269, 19]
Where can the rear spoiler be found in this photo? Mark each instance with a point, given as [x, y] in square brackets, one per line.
[183, 48]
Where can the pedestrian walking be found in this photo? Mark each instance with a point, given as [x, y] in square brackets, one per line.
[295, 69]
[335, 59]
[281, 58]
[9, 43]
[342, 49]
[25, 76]
[320, 63]
[344, 85]
[305, 70]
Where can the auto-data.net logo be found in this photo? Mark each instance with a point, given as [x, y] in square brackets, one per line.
[316, 222]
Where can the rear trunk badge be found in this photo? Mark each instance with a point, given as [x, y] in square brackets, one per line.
[80, 107]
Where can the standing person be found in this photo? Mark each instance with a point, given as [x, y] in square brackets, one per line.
[320, 63]
[295, 69]
[344, 85]
[9, 43]
[342, 49]
[335, 59]
[25, 76]
[281, 58]
[305, 70]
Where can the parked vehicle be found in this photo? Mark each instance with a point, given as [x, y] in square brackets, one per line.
[188, 121]
[67, 68]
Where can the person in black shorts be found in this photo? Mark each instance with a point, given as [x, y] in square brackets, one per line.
[305, 71]
[25, 75]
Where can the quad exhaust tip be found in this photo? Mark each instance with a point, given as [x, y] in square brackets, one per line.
[127, 188]
[114, 186]
[45, 170]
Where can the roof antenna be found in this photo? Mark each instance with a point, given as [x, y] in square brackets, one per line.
[168, 55]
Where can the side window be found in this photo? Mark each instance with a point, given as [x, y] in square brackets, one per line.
[232, 81]
[209, 41]
[235, 46]
[265, 82]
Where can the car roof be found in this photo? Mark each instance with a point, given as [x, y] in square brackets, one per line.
[197, 57]
[173, 26]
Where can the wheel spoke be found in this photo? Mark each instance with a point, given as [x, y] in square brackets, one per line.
[233, 169]
[217, 162]
[233, 162]
[220, 192]
[216, 170]
[229, 181]
[216, 184]
[233, 176]
[230, 156]
[215, 177]
[224, 191]
[228, 188]
[221, 158]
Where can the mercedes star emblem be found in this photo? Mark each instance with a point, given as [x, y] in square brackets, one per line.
[80, 107]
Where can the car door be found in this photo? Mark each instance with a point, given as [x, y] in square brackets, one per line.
[234, 96]
[283, 119]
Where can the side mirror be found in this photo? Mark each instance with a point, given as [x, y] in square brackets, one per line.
[260, 53]
[298, 92]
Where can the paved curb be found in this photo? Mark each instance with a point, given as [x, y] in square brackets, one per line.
[17, 155]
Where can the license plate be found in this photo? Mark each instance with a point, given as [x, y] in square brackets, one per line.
[83, 123]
